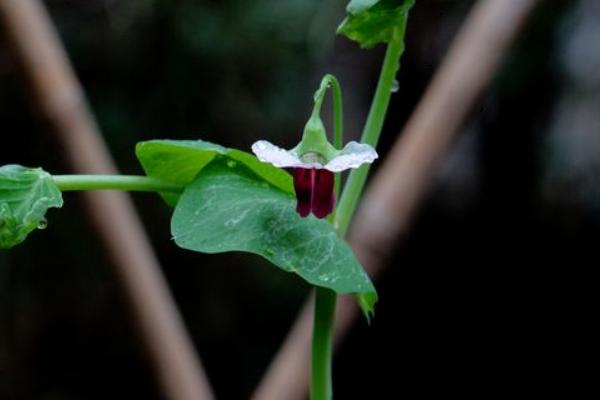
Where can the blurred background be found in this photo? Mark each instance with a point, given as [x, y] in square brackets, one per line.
[497, 272]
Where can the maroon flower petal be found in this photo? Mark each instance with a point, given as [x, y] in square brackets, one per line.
[314, 191]
[323, 196]
[303, 184]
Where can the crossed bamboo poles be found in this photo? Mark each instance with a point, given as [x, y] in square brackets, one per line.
[381, 221]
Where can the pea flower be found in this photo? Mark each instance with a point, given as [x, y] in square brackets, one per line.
[314, 161]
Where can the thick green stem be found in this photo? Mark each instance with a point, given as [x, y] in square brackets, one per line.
[372, 130]
[322, 346]
[325, 299]
[114, 182]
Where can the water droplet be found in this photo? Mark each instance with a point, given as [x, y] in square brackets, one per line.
[231, 164]
[395, 86]
[324, 278]
[43, 224]
[233, 222]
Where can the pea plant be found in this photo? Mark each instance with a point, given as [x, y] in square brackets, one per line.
[230, 200]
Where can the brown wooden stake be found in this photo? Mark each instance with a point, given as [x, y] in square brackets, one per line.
[62, 102]
[393, 197]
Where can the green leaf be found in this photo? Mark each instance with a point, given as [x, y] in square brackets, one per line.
[358, 6]
[25, 195]
[230, 208]
[370, 22]
[179, 161]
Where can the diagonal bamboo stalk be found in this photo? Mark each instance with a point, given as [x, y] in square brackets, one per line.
[393, 197]
[61, 101]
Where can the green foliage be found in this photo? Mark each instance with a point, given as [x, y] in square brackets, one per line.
[179, 161]
[358, 6]
[229, 207]
[25, 195]
[370, 22]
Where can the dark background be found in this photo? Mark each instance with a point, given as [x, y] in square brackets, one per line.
[498, 272]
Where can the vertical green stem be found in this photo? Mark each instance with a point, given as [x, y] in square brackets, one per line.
[372, 130]
[338, 113]
[325, 299]
[338, 126]
[322, 344]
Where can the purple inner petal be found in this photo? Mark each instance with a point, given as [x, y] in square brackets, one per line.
[323, 197]
[303, 184]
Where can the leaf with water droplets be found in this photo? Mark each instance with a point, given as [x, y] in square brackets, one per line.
[234, 209]
[25, 196]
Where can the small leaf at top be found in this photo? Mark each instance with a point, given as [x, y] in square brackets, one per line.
[179, 161]
[231, 208]
[358, 6]
[25, 195]
[370, 22]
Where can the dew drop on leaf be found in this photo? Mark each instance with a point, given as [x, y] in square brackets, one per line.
[231, 164]
[395, 86]
[43, 224]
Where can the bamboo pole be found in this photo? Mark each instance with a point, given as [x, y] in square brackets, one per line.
[393, 197]
[62, 103]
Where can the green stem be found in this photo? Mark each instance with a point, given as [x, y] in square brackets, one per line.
[338, 112]
[114, 182]
[321, 388]
[338, 125]
[372, 129]
[325, 299]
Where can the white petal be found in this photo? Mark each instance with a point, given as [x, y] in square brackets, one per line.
[268, 152]
[353, 155]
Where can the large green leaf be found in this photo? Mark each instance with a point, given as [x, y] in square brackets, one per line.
[230, 208]
[370, 22]
[25, 195]
[179, 161]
